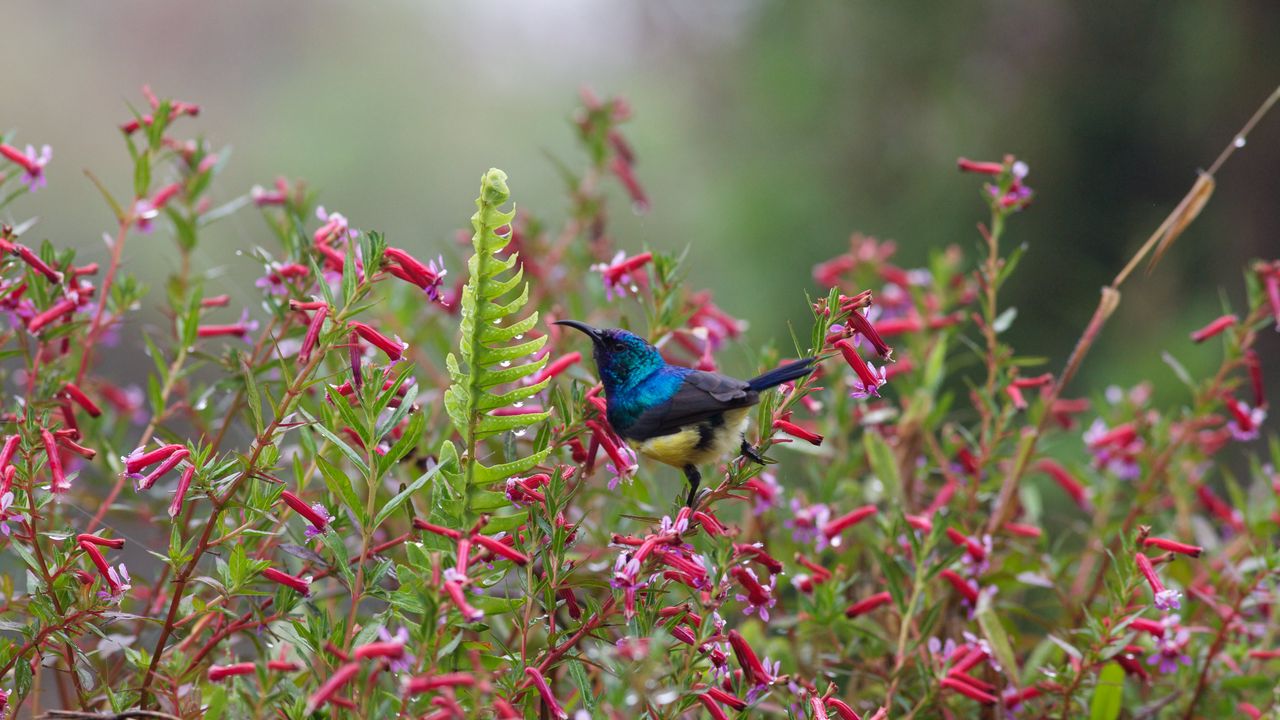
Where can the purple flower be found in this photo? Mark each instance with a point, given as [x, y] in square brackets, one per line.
[404, 662]
[863, 389]
[1168, 599]
[118, 584]
[322, 511]
[626, 474]
[33, 166]
[806, 522]
[1169, 647]
[6, 501]
[626, 573]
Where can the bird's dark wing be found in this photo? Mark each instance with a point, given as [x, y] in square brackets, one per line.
[703, 395]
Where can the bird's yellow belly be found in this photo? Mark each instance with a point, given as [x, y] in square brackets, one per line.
[686, 446]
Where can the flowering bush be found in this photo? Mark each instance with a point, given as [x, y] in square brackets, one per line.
[384, 492]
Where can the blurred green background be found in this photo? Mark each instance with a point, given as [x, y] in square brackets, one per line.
[766, 132]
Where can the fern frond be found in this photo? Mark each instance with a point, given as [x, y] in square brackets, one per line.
[493, 356]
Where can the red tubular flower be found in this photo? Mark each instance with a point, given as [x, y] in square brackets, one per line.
[1220, 508]
[313, 334]
[65, 436]
[459, 599]
[109, 575]
[137, 461]
[961, 585]
[56, 311]
[710, 523]
[180, 495]
[497, 547]
[969, 691]
[557, 366]
[1270, 273]
[548, 700]
[971, 546]
[864, 327]
[1255, 377]
[1148, 626]
[1079, 493]
[625, 173]
[326, 692]
[842, 709]
[866, 605]
[215, 301]
[394, 349]
[7, 452]
[298, 584]
[428, 683]
[1265, 654]
[318, 521]
[218, 673]
[752, 669]
[818, 707]
[757, 552]
[797, 432]
[60, 483]
[1022, 530]
[820, 573]
[113, 543]
[164, 195]
[1173, 546]
[165, 466]
[723, 697]
[834, 527]
[898, 326]
[1250, 710]
[438, 530]
[1164, 599]
[1214, 328]
[711, 707]
[979, 167]
[77, 395]
[29, 257]
[869, 380]
[389, 649]
[920, 522]
[283, 666]
[1017, 697]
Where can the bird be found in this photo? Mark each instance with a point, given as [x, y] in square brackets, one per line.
[673, 414]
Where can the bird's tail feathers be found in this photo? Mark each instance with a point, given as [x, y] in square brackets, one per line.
[786, 373]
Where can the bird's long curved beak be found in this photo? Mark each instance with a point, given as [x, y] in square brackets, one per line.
[593, 333]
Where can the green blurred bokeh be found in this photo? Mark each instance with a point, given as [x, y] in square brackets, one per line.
[766, 132]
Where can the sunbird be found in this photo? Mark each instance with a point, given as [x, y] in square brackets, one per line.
[677, 415]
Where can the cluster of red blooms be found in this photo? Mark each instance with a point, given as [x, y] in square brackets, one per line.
[600, 118]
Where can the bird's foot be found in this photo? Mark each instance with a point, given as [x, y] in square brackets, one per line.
[749, 452]
[695, 479]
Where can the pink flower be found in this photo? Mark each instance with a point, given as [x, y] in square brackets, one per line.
[869, 380]
[866, 605]
[31, 163]
[807, 521]
[335, 227]
[218, 673]
[300, 585]
[1163, 598]
[549, 703]
[759, 598]
[240, 329]
[1245, 420]
[1170, 646]
[1115, 449]
[620, 274]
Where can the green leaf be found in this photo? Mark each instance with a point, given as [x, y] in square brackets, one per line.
[403, 495]
[995, 634]
[1108, 694]
[883, 464]
[346, 449]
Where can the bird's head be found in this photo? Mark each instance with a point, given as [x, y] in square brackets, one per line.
[622, 358]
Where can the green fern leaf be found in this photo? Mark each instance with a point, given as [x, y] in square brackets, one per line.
[492, 352]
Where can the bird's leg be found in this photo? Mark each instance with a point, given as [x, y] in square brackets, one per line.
[695, 478]
[752, 453]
